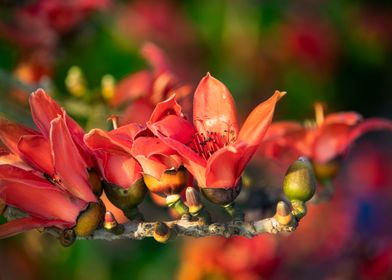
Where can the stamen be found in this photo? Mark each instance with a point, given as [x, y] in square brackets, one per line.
[114, 120]
[319, 113]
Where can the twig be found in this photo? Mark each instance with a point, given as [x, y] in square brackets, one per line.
[283, 221]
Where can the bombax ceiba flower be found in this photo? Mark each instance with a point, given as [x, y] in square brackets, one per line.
[214, 149]
[46, 172]
[323, 141]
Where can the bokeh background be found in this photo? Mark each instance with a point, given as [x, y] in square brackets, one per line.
[338, 52]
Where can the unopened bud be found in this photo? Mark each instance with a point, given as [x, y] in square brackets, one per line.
[89, 219]
[172, 181]
[75, 81]
[193, 200]
[222, 196]
[127, 199]
[283, 213]
[174, 201]
[299, 208]
[162, 232]
[111, 225]
[108, 86]
[327, 170]
[299, 182]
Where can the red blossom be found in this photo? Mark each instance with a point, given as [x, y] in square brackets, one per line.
[45, 173]
[214, 150]
[322, 142]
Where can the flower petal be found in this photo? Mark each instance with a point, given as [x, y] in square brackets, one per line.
[114, 158]
[36, 151]
[36, 196]
[132, 87]
[156, 57]
[369, 125]
[330, 141]
[214, 108]
[258, 121]
[174, 127]
[256, 125]
[223, 168]
[10, 134]
[17, 226]
[44, 109]
[349, 118]
[138, 111]
[165, 108]
[69, 164]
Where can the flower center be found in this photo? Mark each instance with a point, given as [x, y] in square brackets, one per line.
[207, 143]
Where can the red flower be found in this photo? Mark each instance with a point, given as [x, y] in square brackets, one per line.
[322, 142]
[52, 185]
[214, 150]
[112, 150]
[147, 88]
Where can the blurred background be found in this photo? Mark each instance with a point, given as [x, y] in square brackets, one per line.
[338, 52]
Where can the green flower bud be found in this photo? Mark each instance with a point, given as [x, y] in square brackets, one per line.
[299, 182]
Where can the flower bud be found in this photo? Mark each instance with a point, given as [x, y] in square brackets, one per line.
[89, 219]
[222, 196]
[67, 237]
[283, 213]
[299, 182]
[111, 225]
[95, 182]
[193, 200]
[162, 232]
[327, 170]
[174, 201]
[126, 198]
[172, 181]
[75, 82]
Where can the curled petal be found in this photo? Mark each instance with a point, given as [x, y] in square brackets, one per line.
[109, 141]
[223, 168]
[132, 87]
[130, 131]
[17, 226]
[165, 108]
[36, 151]
[280, 129]
[10, 134]
[149, 146]
[174, 127]
[348, 118]
[213, 107]
[368, 125]
[69, 164]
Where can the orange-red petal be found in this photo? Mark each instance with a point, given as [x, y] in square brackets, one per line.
[214, 107]
[69, 164]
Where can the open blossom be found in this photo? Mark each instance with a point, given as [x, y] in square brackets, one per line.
[127, 153]
[145, 89]
[45, 172]
[214, 150]
[328, 139]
